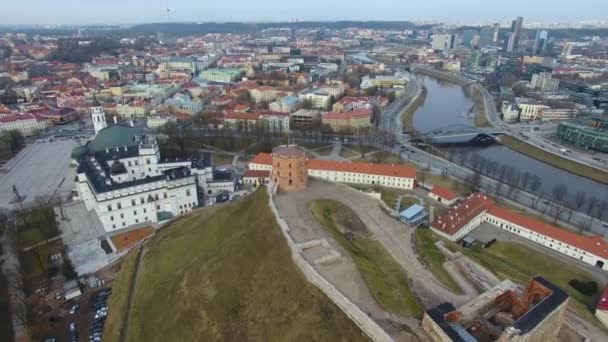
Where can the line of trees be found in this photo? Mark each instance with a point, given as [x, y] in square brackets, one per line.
[11, 142]
[511, 180]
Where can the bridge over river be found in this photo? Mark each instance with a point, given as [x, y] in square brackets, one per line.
[460, 134]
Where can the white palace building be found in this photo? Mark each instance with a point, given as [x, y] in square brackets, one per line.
[122, 177]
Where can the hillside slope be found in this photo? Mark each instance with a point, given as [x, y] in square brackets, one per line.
[226, 274]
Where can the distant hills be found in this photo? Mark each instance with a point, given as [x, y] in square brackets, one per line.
[235, 27]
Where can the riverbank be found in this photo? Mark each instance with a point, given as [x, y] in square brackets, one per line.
[407, 116]
[442, 75]
[480, 118]
[554, 160]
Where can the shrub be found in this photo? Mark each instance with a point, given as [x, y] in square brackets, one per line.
[588, 288]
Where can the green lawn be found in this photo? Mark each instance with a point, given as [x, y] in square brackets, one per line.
[385, 278]
[347, 153]
[389, 197]
[225, 274]
[408, 201]
[555, 160]
[324, 151]
[35, 263]
[433, 258]
[119, 300]
[362, 148]
[519, 263]
[36, 225]
[30, 236]
[222, 159]
[382, 157]
[313, 145]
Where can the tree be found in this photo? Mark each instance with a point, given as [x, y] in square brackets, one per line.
[601, 209]
[580, 200]
[560, 193]
[535, 186]
[422, 175]
[69, 272]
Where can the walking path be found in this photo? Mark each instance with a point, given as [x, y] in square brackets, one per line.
[343, 273]
[393, 235]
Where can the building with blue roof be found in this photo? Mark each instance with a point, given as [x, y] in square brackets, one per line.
[414, 215]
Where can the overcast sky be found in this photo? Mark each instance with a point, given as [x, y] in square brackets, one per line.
[139, 11]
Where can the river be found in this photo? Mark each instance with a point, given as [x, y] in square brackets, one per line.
[447, 104]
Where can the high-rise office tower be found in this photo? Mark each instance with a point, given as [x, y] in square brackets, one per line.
[486, 36]
[513, 42]
[467, 37]
[540, 43]
[443, 41]
[496, 29]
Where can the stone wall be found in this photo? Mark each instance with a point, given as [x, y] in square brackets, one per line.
[362, 320]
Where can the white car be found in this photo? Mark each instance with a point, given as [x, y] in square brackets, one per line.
[101, 314]
[73, 309]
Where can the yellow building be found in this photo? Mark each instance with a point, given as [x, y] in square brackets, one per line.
[356, 120]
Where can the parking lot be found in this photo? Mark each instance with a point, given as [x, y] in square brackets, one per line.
[60, 319]
[40, 169]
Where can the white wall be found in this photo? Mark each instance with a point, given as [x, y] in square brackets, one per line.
[362, 178]
[545, 241]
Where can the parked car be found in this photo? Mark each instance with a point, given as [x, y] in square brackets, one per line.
[72, 327]
[74, 309]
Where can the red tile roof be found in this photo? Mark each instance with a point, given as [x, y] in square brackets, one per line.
[351, 99]
[390, 170]
[18, 117]
[457, 217]
[257, 174]
[444, 193]
[592, 244]
[242, 116]
[359, 113]
[262, 158]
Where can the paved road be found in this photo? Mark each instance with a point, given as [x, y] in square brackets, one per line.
[390, 120]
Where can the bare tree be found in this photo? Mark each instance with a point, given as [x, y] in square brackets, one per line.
[422, 174]
[591, 204]
[535, 186]
[602, 206]
[579, 201]
[498, 188]
[526, 177]
[560, 193]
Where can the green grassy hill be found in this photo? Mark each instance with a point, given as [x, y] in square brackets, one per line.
[225, 274]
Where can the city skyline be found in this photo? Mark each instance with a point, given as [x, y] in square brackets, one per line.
[72, 12]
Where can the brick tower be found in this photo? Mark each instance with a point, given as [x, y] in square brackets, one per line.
[289, 168]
